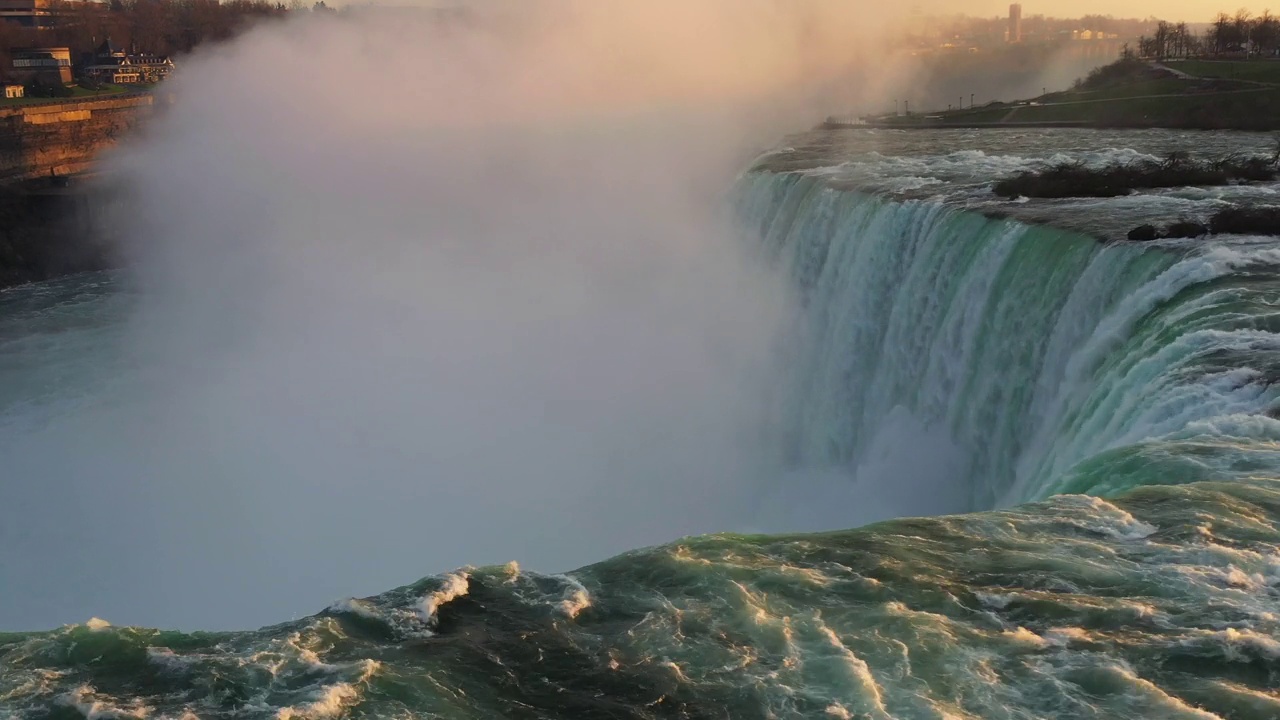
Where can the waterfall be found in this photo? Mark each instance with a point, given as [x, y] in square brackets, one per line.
[1028, 360]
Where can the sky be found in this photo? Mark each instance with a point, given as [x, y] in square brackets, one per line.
[1189, 10]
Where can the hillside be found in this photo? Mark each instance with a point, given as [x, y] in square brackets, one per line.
[1190, 94]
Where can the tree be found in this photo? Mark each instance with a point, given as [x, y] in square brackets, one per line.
[1240, 27]
[1218, 37]
[1160, 43]
[1192, 44]
[1266, 34]
[162, 27]
[1146, 47]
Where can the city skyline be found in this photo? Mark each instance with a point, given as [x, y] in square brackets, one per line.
[1185, 10]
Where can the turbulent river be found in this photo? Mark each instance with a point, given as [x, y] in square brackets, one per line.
[1090, 424]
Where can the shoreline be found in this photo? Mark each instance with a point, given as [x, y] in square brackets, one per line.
[1046, 125]
[829, 125]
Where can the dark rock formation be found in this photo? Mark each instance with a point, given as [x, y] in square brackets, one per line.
[1247, 221]
[47, 231]
[51, 223]
[1186, 229]
[1144, 233]
[1178, 170]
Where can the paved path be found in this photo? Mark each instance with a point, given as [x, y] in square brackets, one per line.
[1176, 73]
[1183, 76]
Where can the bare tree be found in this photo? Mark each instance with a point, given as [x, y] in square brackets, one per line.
[1266, 34]
[1182, 40]
[1240, 27]
[1218, 36]
[1160, 42]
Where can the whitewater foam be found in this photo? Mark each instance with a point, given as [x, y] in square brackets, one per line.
[329, 701]
[576, 598]
[95, 706]
[455, 586]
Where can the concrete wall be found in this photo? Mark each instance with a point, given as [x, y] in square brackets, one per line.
[63, 137]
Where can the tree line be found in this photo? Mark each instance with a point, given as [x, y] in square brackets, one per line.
[160, 27]
[1241, 34]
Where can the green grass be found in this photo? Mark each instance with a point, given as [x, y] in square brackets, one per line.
[981, 115]
[1266, 71]
[1248, 110]
[1208, 104]
[77, 93]
[1170, 86]
[1227, 97]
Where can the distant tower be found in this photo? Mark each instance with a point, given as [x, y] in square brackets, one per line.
[1015, 23]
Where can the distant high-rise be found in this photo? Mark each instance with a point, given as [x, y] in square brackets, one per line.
[1015, 23]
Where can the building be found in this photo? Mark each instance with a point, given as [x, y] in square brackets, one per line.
[27, 13]
[47, 65]
[14, 91]
[152, 68]
[1014, 33]
[113, 65]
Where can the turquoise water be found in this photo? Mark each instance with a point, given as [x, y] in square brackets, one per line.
[1091, 423]
[1160, 604]
[1053, 362]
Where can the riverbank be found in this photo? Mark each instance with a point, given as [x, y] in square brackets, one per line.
[1190, 95]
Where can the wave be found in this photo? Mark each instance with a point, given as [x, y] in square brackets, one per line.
[1157, 604]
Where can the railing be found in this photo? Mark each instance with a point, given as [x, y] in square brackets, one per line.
[844, 120]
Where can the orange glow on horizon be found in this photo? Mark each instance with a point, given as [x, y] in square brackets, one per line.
[1195, 11]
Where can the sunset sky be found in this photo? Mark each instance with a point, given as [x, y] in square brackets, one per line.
[1190, 10]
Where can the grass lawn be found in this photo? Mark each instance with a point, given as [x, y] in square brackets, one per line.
[1170, 86]
[1210, 104]
[1256, 109]
[77, 93]
[1218, 95]
[980, 115]
[1267, 71]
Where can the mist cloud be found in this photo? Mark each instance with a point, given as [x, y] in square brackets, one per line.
[411, 296]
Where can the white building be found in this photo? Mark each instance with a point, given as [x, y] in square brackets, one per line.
[113, 65]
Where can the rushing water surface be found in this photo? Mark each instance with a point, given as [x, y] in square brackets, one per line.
[958, 166]
[1095, 420]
